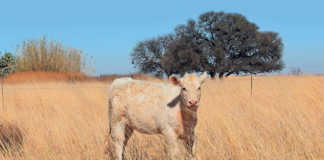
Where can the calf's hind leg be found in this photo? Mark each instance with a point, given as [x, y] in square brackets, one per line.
[128, 134]
[120, 134]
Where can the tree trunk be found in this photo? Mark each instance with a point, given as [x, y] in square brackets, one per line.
[221, 74]
[212, 74]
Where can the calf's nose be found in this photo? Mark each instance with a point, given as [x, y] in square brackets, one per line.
[192, 102]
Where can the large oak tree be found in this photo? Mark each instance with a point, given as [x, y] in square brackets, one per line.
[220, 43]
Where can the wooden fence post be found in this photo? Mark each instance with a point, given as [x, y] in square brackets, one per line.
[251, 84]
[2, 83]
[3, 104]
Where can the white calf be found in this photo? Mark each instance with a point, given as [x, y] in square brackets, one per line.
[155, 108]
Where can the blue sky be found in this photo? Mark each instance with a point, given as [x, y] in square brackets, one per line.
[108, 30]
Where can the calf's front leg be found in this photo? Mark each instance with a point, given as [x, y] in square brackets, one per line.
[190, 145]
[172, 144]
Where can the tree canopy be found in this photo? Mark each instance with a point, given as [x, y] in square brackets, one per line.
[147, 55]
[220, 43]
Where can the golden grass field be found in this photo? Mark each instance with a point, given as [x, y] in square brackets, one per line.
[283, 120]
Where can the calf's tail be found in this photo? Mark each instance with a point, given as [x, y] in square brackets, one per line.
[109, 109]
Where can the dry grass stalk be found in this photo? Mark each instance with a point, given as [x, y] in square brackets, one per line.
[11, 138]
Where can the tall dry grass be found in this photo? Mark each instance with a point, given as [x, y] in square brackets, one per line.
[43, 55]
[284, 119]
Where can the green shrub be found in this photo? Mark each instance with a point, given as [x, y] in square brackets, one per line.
[7, 64]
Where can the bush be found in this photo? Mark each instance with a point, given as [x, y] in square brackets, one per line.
[7, 64]
[41, 55]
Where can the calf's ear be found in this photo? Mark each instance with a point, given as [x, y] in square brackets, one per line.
[174, 80]
[203, 77]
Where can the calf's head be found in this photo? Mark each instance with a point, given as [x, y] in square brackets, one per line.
[190, 88]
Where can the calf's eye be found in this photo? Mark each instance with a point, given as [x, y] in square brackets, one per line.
[184, 89]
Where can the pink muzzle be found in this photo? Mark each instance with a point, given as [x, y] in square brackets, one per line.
[193, 102]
